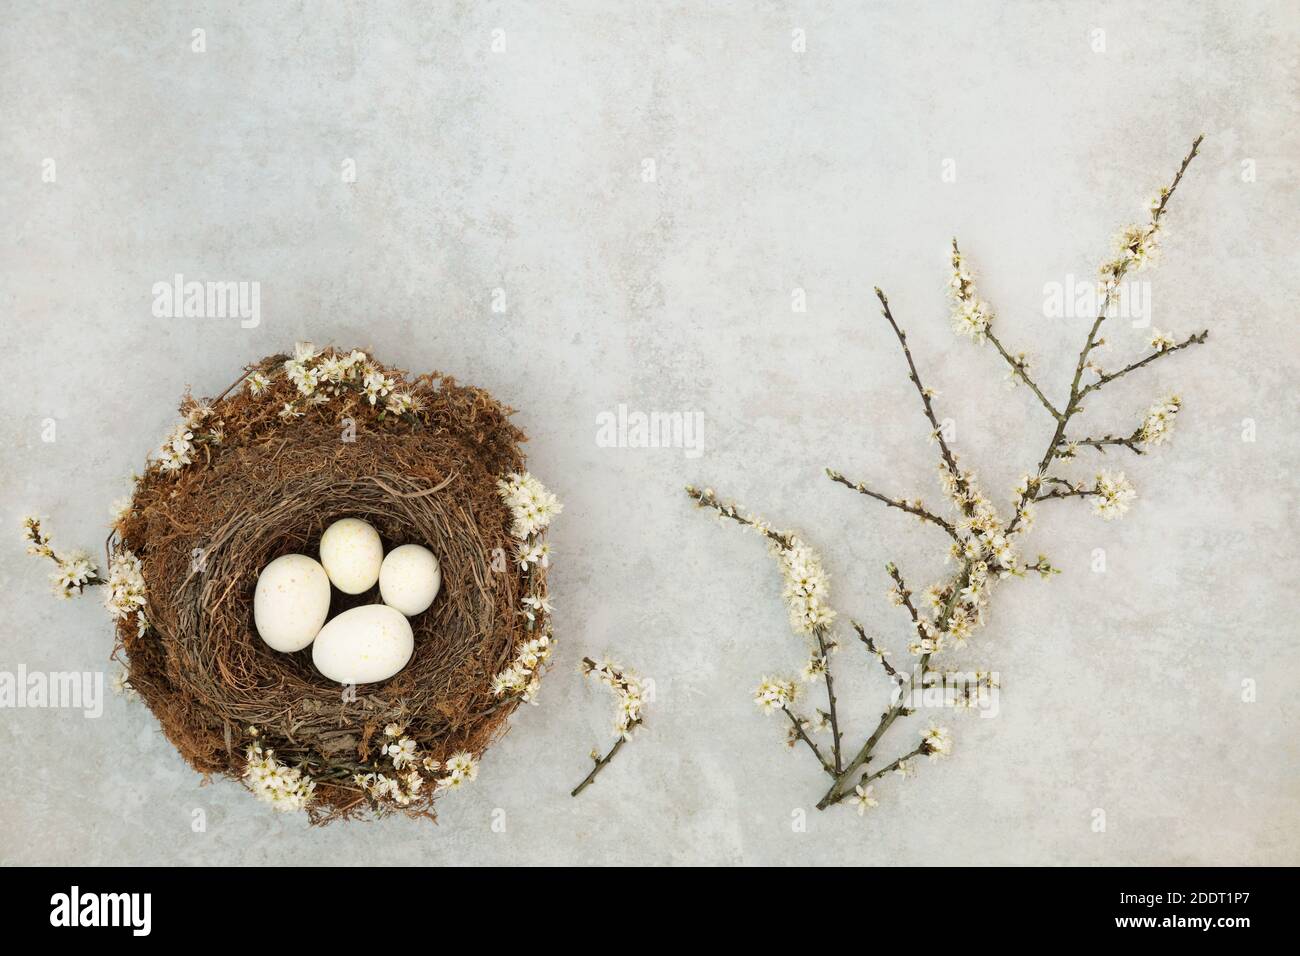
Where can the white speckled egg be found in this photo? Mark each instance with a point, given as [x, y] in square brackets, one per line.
[364, 645]
[409, 579]
[352, 553]
[291, 602]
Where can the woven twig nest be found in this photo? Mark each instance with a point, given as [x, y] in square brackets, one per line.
[260, 472]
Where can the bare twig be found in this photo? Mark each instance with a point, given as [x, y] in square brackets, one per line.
[802, 735]
[598, 765]
[1196, 339]
[1132, 442]
[1019, 367]
[949, 460]
[820, 633]
[871, 646]
[912, 508]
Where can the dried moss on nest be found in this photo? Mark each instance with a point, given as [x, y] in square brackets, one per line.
[269, 487]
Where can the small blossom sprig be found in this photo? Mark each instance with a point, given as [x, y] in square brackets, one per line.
[285, 788]
[983, 545]
[199, 426]
[532, 509]
[630, 697]
[319, 376]
[73, 572]
[523, 675]
[807, 596]
[125, 596]
[410, 775]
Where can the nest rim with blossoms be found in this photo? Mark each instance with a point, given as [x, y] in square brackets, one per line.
[297, 442]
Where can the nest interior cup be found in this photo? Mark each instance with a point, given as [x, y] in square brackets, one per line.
[270, 487]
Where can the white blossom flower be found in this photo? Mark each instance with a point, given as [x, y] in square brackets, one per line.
[121, 508]
[628, 691]
[531, 553]
[807, 587]
[972, 319]
[400, 403]
[125, 591]
[175, 451]
[862, 798]
[531, 506]
[971, 316]
[536, 604]
[1136, 248]
[285, 788]
[1161, 341]
[1159, 421]
[937, 741]
[401, 751]
[461, 769]
[122, 684]
[773, 694]
[814, 670]
[1112, 495]
[376, 384]
[73, 572]
[257, 383]
[523, 675]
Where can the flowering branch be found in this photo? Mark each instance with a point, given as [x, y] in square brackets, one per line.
[631, 698]
[950, 462]
[871, 647]
[984, 545]
[974, 318]
[799, 732]
[1163, 346]
[74, 571]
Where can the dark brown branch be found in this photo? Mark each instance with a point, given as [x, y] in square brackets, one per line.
[867, 778]
[1076, 393]
[1132, 442]
[798, 729]
[707, 499]
[1017, 365]
[599, 765]
[898, 503]
[950, 462]
[1197, 339]
[820, 633]
[843, 782]
[1066, 493]
[871, 646]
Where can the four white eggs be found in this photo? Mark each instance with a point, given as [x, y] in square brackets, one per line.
[362, 645]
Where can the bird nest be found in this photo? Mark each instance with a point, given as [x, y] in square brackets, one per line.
[260, 471]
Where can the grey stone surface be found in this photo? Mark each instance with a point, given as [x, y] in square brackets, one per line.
[775, 170]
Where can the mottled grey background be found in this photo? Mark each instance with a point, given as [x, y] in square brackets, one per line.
[776, 170]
